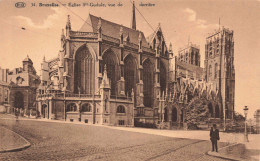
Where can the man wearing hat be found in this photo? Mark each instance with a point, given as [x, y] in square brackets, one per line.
[214, 137]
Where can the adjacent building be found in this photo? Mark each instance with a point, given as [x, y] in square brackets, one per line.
[4, 91]
[23, 83]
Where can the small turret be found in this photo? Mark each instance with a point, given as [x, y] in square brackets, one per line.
[27, 64]
[68, 28]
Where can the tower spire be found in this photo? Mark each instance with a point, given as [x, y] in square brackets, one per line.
[133, 22]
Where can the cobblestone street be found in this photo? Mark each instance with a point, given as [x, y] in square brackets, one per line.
[62, 141]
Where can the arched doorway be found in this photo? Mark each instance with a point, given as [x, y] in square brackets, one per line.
[217, 111]
[44, 111]
[110, 60]
[84, 72]
[210, 108]
[148, 83]
[19, 100]
[129, 74]
[174, 114]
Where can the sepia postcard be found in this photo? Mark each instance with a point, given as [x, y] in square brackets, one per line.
[130, 80]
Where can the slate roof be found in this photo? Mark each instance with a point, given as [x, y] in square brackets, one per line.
[189, 67]
[112, 29]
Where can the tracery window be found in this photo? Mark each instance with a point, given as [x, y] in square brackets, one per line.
[148, 83]
[109, 59]
[129, 74]
[84, 72]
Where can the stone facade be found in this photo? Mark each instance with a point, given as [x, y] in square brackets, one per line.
[110, 74]
[257, 121]
[4, 91]
[23, 84]
[110, 69]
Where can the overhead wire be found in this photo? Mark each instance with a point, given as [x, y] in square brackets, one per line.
[143, 16]
[76, 15]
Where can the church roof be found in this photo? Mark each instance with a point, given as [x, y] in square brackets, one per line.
[112, 29]
[189, 67]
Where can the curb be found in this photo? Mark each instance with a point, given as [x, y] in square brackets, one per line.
[27, 145]
[217, 155]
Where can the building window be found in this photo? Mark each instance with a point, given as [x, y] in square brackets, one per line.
[216, 70]
[154, 43]
[121, 122]
[129, 74]
[120, 109]
[86, 107]
[148, 81]
[6, 95]
[210, 70]
[83, 73]
[86, 121]
[71, 107]
[110, 60]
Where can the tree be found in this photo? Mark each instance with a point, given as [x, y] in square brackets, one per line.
[196, 112]
[238, 117]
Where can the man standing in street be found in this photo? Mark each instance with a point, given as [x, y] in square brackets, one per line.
[214, 137]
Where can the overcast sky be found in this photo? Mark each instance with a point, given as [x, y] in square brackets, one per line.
[180, 19]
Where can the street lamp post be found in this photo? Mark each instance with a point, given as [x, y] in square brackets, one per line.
[245, 112]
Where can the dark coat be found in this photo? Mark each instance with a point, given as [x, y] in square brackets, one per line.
[214, 135]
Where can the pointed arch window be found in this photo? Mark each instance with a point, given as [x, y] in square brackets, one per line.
[83, 73]
[130, 74]
[109, 58]
[148, 83]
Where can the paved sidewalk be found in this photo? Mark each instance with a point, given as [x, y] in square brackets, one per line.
[249, 149]
[236, 150]
[11, 141]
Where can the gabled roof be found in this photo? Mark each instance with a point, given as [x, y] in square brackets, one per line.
[152, 36]
[112, 29]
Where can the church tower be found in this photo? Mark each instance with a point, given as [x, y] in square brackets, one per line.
[219, 68]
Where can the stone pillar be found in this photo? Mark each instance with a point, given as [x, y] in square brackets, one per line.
[105, 96]
[157, 75]
[99, 66]
[139, 85]
[121, 82]
[50, 109]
